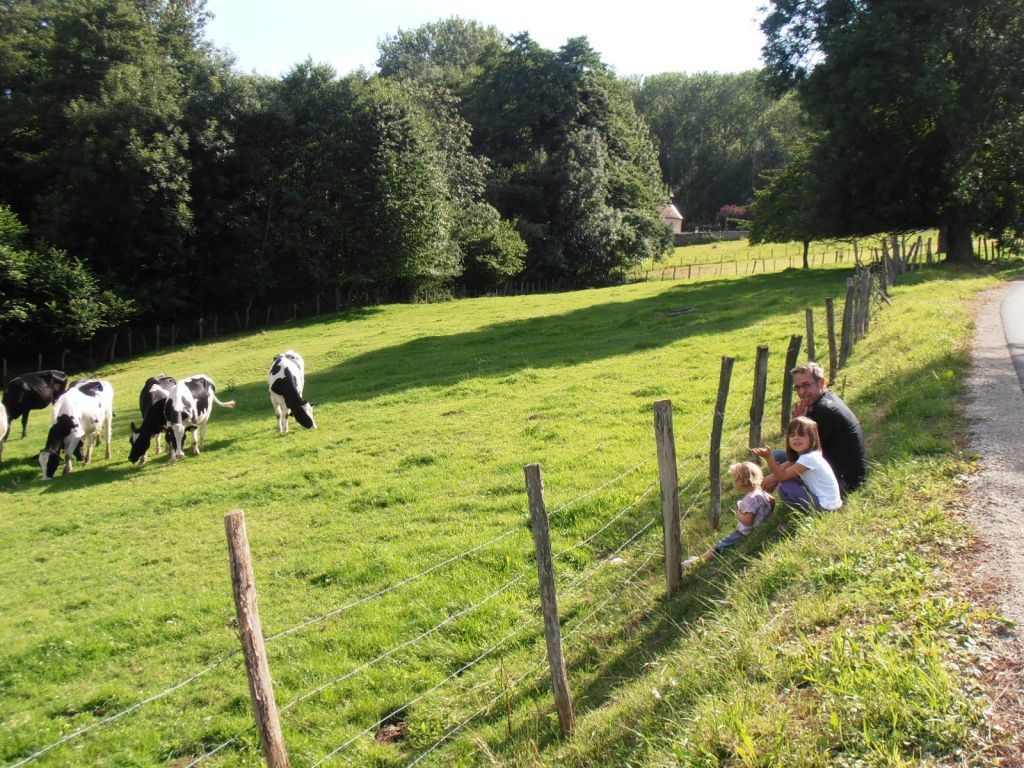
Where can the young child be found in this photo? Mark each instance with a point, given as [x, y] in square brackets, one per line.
[806, 479]
[753, 509]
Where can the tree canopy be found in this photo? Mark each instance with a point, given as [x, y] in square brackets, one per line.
[918, 110]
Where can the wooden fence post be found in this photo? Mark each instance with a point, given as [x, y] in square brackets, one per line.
[758, 398]
[715, 463]
[250, 632]
[174, 333]
[792, 353]
[158, 335]
[668, 473]
[809, 322]
[40, 366]
[549, 598]
[200, 328]
[846, 343]
[830, 318]
[865, 305]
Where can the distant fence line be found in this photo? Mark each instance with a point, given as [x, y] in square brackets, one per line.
[699, 238]
[868, 287]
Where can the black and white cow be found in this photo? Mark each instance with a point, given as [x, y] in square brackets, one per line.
[192, 401]
[286, 379]
[157, 416]
[29, 392]
[84, 413]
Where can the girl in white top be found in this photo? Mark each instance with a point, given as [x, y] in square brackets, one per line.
[806, 479]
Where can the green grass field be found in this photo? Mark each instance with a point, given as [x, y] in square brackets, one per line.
[115, 582]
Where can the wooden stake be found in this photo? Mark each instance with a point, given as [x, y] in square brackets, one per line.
[809, 322]
[549, 598]
[830, 318]
[846, 345]
[668, 472]
[250, 632]
[758, 398]
[715, 463]
[792, 353]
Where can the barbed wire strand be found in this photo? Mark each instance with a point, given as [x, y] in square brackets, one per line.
[138, 705]
[570, 588]
[599, 531]
[526, 622]
[591, 492]
[406, 644]
[532, 670]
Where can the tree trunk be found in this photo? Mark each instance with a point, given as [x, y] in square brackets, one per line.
[959, 248]
[807, 247]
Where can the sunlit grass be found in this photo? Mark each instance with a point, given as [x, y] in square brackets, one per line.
[115, 579]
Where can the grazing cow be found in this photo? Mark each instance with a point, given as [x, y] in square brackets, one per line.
[29, 392]
[84, 413]
[157, 416]
[192, 401]
[286, 379]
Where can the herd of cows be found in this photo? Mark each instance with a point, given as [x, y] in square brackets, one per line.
[83, 411]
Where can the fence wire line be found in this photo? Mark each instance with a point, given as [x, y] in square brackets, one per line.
[611, 594]
[455, 729]
[458, 672]
[599, 531]
[406, 644]
[108, 720]
[521, 625]
[583, 577]
[591, 492]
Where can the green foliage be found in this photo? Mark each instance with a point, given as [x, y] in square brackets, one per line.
[716, 135]
[910, 99]
[45, 293]
[573, 164]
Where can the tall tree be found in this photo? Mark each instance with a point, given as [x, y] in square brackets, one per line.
[573, 164]
[919, 103]
[716, 135]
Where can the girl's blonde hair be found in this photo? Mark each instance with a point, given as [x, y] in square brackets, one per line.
[804, 427]
[747, 474]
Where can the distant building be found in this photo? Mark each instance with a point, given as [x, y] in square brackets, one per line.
[671, 216]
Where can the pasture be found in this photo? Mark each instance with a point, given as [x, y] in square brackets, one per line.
[115, 584]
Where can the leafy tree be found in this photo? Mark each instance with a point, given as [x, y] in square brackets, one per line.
[447, 53]
[572, 162]
[919, 105]
[716, 135]
[47, 294]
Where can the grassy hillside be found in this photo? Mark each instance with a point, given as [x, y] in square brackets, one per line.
[115, 582]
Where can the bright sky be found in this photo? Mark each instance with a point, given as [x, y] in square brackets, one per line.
[269, 36]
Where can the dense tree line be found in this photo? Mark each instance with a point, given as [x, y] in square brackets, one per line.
[152, 180]
[916, 119]
[717, 136]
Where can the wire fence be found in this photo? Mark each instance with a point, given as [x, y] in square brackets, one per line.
[634, 517]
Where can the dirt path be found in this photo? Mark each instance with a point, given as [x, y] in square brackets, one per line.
[994, 505]
[995, 411]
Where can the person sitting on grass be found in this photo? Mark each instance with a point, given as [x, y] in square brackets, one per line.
[751, 511]
[805, 480]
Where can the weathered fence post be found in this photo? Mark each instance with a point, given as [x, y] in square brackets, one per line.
[128, 333]
[830, 319]
[809, 322]
[200, 327]
[792, 353]
[157, 346]
[250, 632]
[865, 306]
[668, 473]
[113, 347]
[758, 398]
[174, 333]
[40, 366]
[846, 344]
[549, 598]
[715, 462]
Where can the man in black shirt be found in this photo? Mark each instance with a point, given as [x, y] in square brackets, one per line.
[842, 441]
